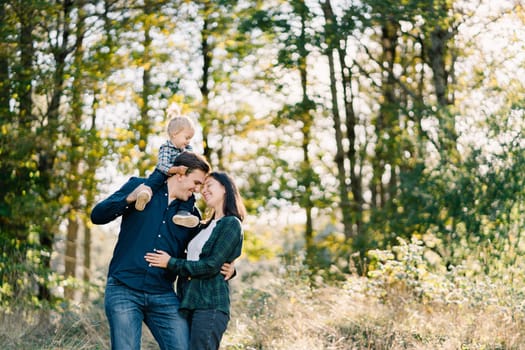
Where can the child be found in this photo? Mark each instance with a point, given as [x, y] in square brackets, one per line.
[180, 132]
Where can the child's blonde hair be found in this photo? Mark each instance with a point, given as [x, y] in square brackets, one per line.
[177, 121]
[177, 124]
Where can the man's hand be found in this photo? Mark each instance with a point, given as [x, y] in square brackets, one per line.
[228, 270]
[158, 259]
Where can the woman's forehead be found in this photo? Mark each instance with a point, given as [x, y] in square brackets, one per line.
[210, 179]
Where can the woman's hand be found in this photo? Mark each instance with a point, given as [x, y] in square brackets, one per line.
[158, 259]
[228, 270]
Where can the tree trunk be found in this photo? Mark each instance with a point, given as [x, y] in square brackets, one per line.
[386, 150]
[332, 40]
[207, 57]
[25, 73]
[144, 126]
[76, 157]
[47, 141]
[4, 71]
[71, 253]
[86, 276]
[351, 123]
[306, 117]
[437, 56]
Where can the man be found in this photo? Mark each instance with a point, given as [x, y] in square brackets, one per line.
[135, 291]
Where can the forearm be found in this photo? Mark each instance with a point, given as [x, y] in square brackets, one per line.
[107, 211]
[225, 250]
[202, 269]
[113, 206]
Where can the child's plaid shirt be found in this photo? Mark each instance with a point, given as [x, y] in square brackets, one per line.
[167, 154]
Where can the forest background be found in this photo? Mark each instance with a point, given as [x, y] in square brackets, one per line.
[378, 145]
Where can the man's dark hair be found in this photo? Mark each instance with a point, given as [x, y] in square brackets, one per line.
[192, 161]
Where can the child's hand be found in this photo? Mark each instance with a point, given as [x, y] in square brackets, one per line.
[179, 169]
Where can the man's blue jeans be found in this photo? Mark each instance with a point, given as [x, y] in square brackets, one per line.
[127, 308]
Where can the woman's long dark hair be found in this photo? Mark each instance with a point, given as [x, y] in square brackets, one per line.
[233, 205]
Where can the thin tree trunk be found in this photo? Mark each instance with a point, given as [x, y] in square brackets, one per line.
[332, 40]
[71, 253]
[207, 57]
[91, 169]
[351, 123]
[4, 72]
[86, 276]
[144, 127]
[25, 72]
[386, 147]
[306, 118]
[75, 157]
[48, 137]
[437, 56]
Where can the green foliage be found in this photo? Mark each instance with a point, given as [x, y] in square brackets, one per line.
[411, 268]
[49, 151]
[476, 203]
[255, 247]
[85, 85]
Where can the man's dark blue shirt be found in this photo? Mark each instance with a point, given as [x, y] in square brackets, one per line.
[142, 232]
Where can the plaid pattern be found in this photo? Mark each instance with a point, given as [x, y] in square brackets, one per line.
[202, 286]
[167, 154]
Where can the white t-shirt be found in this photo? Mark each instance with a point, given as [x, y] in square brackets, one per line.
[196, 244]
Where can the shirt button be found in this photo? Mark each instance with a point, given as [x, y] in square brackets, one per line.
[158, 236]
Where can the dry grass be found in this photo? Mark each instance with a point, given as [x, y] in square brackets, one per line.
[287, 314]
[282, 312]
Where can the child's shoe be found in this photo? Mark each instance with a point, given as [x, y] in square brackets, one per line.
[143, 198]
[184, 218]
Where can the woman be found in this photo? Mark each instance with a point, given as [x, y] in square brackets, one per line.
[205, 292]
